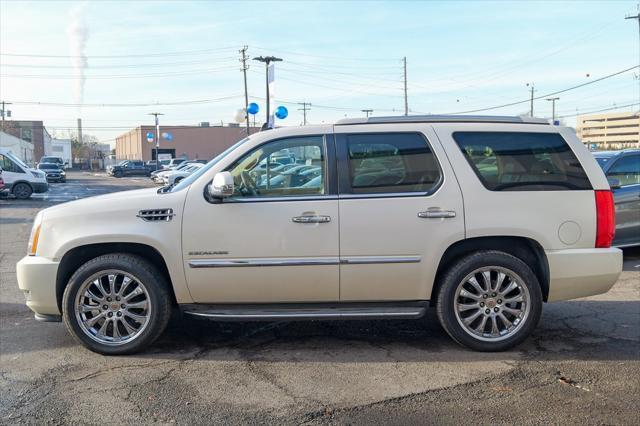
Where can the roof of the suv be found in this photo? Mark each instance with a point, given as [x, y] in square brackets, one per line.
[444, 119]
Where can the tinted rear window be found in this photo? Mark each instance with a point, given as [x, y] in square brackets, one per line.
[518, 161]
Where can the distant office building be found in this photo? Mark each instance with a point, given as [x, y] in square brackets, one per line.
[610, 131]
[193, 142]
[30, 131]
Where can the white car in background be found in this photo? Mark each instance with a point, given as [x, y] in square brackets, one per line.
[158, 176]
[176, 176]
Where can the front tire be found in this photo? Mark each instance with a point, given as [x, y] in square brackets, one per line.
[116, 304]
[118, 173]
[489, 301]
[22, 191]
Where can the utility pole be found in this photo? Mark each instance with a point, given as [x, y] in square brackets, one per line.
[267, 60]
[244, 69]
[637, 18]
[367, 111]
[156, 114]
[5, 112]
[304, 109]
[406, 101]
[532, 90]
[553, 109]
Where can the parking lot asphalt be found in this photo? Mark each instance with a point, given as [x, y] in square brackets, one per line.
[581, 366]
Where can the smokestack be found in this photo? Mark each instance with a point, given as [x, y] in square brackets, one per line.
[80, 130]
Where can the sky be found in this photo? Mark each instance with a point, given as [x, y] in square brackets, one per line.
[114, 62]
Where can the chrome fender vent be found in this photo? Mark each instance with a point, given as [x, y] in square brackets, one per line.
[158, 215]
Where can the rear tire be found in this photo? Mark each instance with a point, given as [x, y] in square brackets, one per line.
[489, 301]
[22, 191]
[116, 304]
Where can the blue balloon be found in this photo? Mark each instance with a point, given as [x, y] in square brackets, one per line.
[281, 112]
[253, 108]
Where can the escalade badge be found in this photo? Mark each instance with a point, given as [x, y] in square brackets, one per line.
[207, 253]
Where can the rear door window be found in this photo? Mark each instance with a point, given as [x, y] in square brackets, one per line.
[626, 170]
[384, 163]
[519, 161]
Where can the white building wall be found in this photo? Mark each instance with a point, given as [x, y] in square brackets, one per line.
[61, 148]
[19, 147]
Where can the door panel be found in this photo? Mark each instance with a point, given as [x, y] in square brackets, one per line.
[389, 247]
[256, 234]
[627, 201]
[276, 239]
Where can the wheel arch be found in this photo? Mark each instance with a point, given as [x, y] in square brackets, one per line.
[526, 249]
[13, 184]
[77, 256]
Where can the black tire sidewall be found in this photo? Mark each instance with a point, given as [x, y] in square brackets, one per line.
[158, 295]
[19, 185]
[457, 272]
[118, 174]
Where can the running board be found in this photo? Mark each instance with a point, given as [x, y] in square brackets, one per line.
[305, 312]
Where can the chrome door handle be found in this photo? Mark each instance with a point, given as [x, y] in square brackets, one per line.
[437, 214]
[311, 219]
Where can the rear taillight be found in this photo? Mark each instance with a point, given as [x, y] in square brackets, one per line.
[605, 219]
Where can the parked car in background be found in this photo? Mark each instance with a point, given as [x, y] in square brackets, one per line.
[129, 168]
[2, 185]
[176, 176]
[54, 172]
[175, 162]
[19, 178]
[397, 217]
[158, 175]
[622, 169]
[55, 160]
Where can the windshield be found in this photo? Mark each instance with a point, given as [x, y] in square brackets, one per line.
[47, 166]
[17, 160]
[51, 160]
[194, 176]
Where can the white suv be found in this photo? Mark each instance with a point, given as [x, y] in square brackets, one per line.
[484, 218]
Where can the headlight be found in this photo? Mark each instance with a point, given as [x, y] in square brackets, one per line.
[35, 235]
[62, 172]
[36, 174]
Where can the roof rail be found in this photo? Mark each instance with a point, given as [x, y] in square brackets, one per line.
[444, 119]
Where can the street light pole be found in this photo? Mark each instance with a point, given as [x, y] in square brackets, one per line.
[553, 108]
[532, 90]
[156, 114]
[267, 60]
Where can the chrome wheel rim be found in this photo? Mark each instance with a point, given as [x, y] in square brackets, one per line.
[113, 307]
[492, 303]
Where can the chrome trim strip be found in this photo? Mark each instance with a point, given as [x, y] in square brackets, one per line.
[302, 261]
[288, 261]
[367, 260]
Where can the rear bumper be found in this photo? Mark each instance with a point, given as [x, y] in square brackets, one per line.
[37, 280]
[578, 273]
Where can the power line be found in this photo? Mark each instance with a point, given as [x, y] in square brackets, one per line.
[126, 105]
[139, 55]
[118, 66]
[601, 110]
[546, 95]
[118, 76]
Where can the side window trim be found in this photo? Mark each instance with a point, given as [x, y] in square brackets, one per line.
[345, 191]
[331, 184]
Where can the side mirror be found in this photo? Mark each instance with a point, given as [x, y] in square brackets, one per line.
[222, 185]
[614, 183]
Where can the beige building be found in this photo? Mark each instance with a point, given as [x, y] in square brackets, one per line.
[193, 142]
[615, 130]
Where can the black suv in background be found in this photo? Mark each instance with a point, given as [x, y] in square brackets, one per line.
[54, 171]
[130, 168]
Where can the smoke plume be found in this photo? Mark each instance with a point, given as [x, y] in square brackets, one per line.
[78, 34]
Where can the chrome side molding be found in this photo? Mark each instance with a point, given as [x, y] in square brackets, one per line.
[301, 261]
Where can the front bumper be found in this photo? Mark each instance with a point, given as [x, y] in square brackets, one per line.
[37, 280]
[40, 187]
[578, 273]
